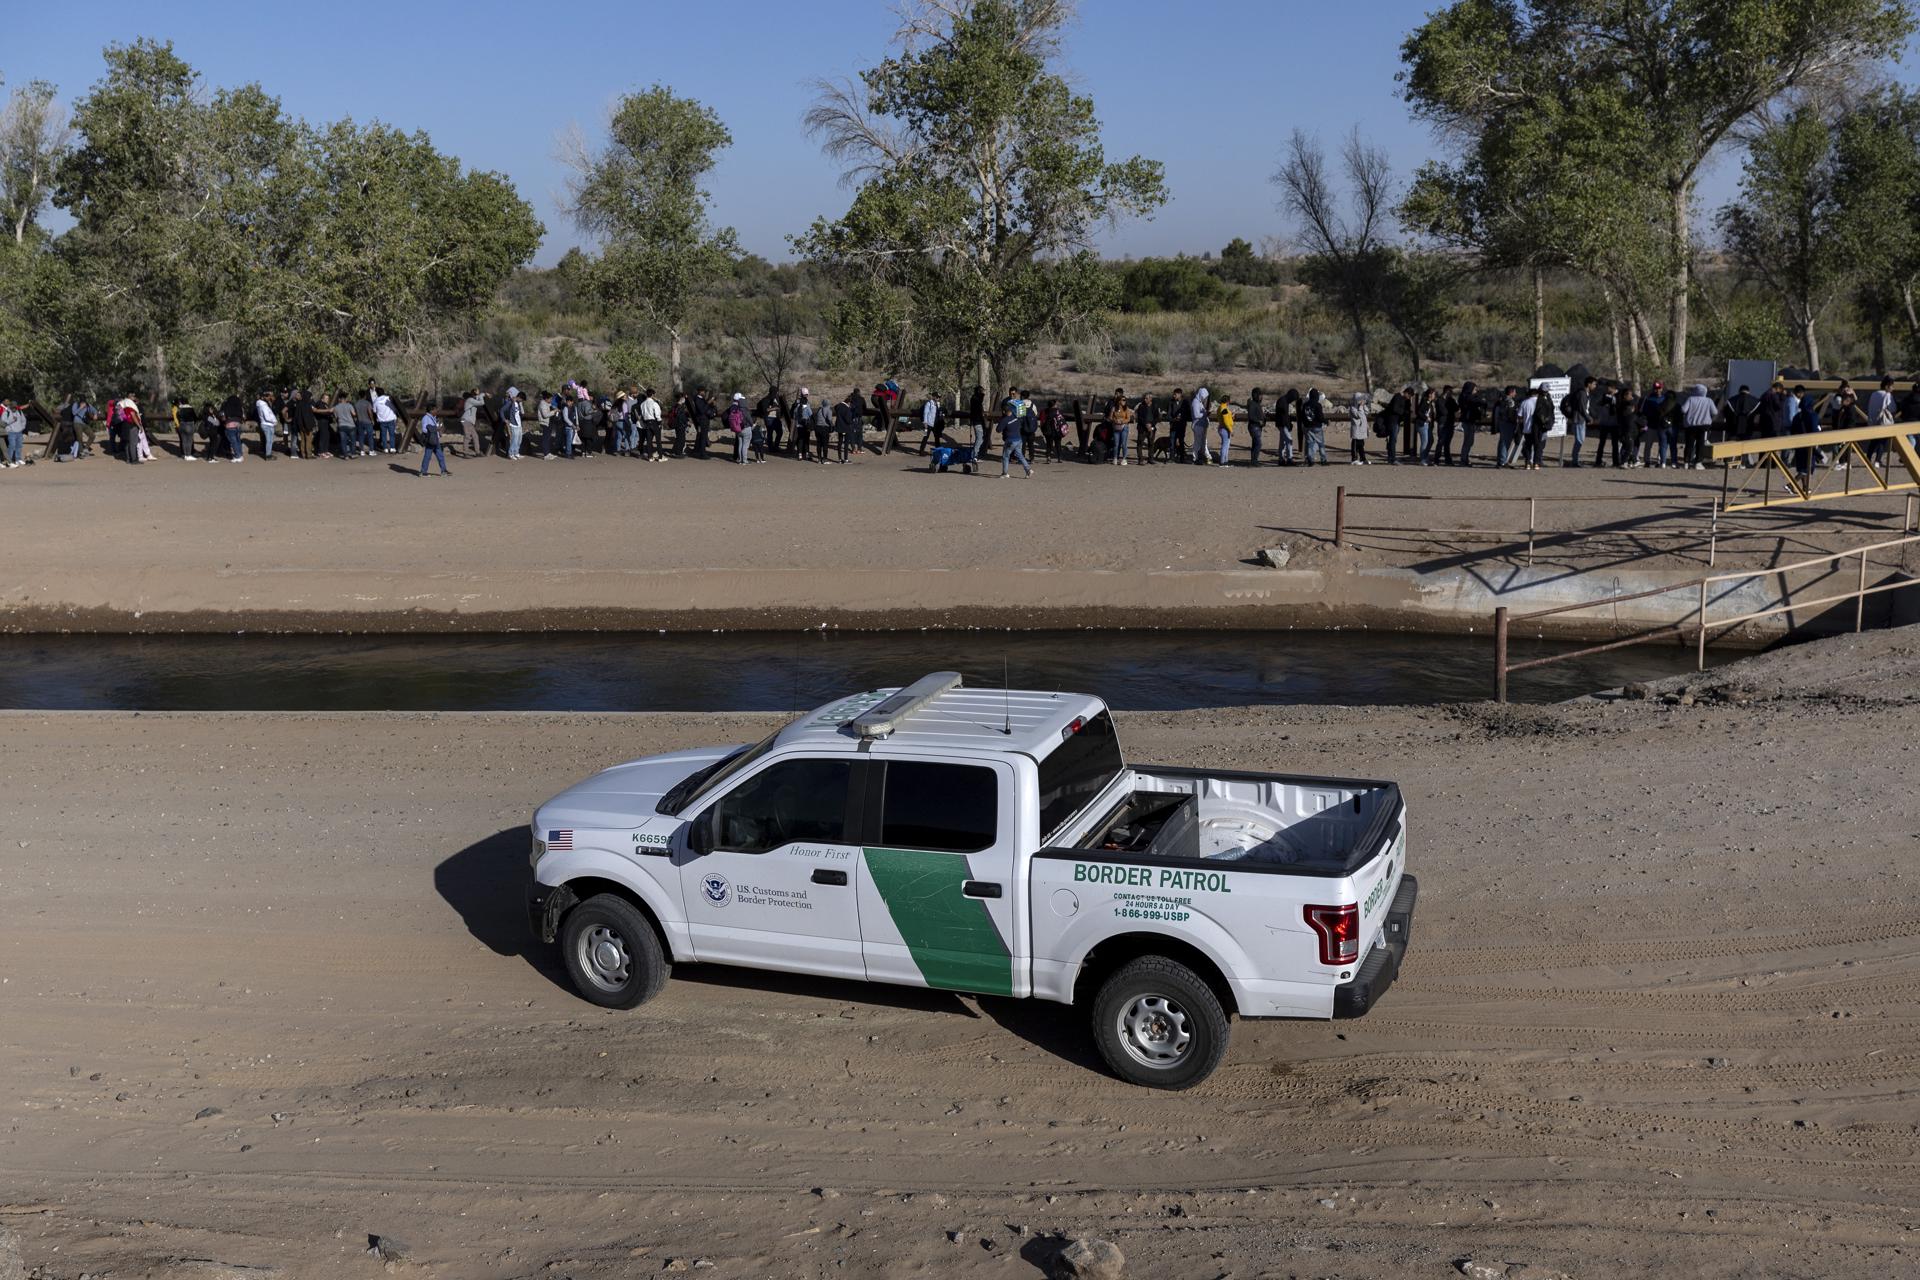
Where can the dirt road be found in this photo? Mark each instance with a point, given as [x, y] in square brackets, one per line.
[266, 990]
[356, 546]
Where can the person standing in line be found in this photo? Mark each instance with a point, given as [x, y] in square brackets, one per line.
[1120, 425]
[1396, 423]
[186, 425]
[1286, 421]
[702, 410]
[269, 423]
[1578, 408]
[1358, 428]
[387, 418]
[513, 417]
[1472, 415]
[470, 406]
[845, 422]
[1146, 421]
[1179, 414]
[13, 424]
[1223, 416]
[232, 415]
[431, 446]
[1447, 417]
[1879, 413]
[649, 415]
[543, 416]
[1313, 428]
[138, 449]
[738, 424]
[1199, 415]
[343, 427]
[1698, 413]
[1256, 415]
[365, 432]
[1508, 422]
[824, 415]
[1425, 413]
[1012, 431]
[83, 432]
[305, 425]
[1534, 447]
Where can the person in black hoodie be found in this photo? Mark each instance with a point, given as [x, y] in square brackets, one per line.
[1472, 415]
[1179, 417]
[700, 410]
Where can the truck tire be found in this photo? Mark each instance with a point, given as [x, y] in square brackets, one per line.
[612, 953]
[1158, 1024]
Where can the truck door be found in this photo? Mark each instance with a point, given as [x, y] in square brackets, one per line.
[777, 884]
[937, 902]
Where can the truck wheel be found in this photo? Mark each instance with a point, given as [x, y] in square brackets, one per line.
[612, 953]
[1159, 1025]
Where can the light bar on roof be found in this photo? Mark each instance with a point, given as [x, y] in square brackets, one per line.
[885, 716]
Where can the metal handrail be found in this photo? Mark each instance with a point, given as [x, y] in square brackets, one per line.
[1502, 620]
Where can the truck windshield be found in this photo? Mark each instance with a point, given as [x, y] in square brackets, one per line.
[1076, 771]
[699, 783]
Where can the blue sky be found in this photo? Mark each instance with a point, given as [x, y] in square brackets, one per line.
[1209, 87]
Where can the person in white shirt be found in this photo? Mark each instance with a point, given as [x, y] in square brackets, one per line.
[269, 422]
[930, 421]
[649, 414]
[388, 417]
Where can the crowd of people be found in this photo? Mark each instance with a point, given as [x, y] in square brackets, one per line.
[1424, 426]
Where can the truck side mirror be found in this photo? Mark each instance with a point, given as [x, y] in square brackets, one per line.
[700, 834]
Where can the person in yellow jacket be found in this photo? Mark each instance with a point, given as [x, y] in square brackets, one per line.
[1225, 423]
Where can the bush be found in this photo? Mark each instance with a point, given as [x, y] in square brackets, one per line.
[1171, 284]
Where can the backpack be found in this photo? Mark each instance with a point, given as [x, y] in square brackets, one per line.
[736, 418]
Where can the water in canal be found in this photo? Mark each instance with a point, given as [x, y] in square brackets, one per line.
[764, 671]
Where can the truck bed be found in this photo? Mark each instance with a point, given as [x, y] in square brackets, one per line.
[1297, 824]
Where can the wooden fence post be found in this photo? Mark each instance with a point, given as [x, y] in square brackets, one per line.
[1500, 653]
[1340, 517]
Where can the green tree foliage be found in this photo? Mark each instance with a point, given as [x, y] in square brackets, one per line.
[1239, 264]
[1877, 173]
[218, 238]
[34, 136]
[639, 196]
[1668, 79]
[1171, 284]
[1783, 228]
[982, 179]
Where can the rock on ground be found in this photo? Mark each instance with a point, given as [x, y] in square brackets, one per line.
[1089, 1259]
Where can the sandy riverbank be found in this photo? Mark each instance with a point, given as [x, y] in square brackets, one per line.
[267, 990]
[322, 546]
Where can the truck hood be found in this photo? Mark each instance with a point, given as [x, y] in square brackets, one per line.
[624, 796]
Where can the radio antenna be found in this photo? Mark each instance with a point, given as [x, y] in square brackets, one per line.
[1006, 698]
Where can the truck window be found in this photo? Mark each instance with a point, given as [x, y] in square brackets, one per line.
[1076, 771]
[951, 808]
[793, 801]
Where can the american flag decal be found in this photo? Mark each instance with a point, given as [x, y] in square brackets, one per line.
[562, 840]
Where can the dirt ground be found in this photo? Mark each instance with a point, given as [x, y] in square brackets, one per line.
[328, 545]
[267, 990]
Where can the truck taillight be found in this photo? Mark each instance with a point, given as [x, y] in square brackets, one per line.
[1339, 932]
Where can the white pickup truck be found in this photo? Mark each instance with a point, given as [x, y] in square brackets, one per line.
[985, 841]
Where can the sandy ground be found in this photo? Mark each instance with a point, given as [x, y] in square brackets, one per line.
[266, 989]
[325, 545]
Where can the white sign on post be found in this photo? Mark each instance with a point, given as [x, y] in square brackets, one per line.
[1557, 389]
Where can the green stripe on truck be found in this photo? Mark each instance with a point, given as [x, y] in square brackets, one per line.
[950, 936]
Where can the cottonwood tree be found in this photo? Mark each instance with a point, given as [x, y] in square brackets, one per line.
[638, 196]
[1783, 229]
[34, 135]
[1877, 173]
[981, 180]
[1676, 77]
[1346, 242]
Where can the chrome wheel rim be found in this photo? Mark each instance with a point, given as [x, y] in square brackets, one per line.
[603, 959]
[1153, 1030]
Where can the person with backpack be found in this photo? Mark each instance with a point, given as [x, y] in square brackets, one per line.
[1577, 408]
[1533, 447]
[1313, 425]
[824, 415]
[1879, 413]
[186, 425]
[431, 446]
[738, 423]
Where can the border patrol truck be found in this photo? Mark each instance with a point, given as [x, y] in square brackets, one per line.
[987, 841]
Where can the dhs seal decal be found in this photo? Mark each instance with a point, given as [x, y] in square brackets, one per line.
[719, 893]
